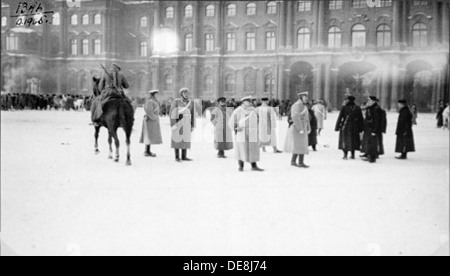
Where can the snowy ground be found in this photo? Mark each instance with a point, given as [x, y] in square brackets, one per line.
[58, 198]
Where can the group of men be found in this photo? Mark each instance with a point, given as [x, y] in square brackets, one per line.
[248, 128]
[16, 101]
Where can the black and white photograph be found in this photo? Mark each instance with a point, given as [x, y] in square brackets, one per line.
[225, 128]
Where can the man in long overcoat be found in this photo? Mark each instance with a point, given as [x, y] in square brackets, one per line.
[404, 132]
[350, 124]
[244, 123]
[372, 129]
[151, 128]
[182, 121]
[223, 135]
[299, 129]
[267, 126]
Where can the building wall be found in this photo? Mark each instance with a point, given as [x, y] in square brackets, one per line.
[326, 72]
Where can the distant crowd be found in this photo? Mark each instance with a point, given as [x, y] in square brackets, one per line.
[13, 102]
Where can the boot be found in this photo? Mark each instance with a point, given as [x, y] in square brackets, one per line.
[353, 155]
[314, 147]
[221, 154]
[184, 156]
[275, 150]
[255, 168]
[302, 161]
[294, 161]
[177, 156]
[147, 151]
[404, 156]
[345, 155]
[241, 166]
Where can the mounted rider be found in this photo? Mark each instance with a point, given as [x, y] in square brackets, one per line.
[112, 85]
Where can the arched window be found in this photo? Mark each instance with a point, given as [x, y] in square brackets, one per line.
[74, 19]
[303, 39]
[251, 9]
[271, 8]
[420, 35]
[144, 22]
[210, 11]
[249, 83]
[335, 5]
[56, 19]
[169, 12]
[168, 82]
[304, 6]
[231, 42]
[269, 84]
[231, 10]
[188, 42]
[359, 35]
[384, 36]
[188, 11]
[4, 21]
[230, 83]
[85, 19]
[209, 83]
[334, 37]
[97, 19]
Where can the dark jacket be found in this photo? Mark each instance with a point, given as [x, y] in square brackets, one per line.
[373, 128]
[404, 132]
[350, 124]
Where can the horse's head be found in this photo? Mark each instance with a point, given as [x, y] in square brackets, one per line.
[95, 84]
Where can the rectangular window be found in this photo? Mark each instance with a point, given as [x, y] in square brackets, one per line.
[270, 41]
[420, 3]
[188, 44]
[336, 5]
[304, 6]
[11, 43]
[386, 3]
[97, 46]
[334, 40]
[85, 48]
[74, 47]
[209, 42]
[359, 4]
[250, 42]
[231, 42]
[143, 49]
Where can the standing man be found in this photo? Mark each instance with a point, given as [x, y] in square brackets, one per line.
[372, 129]
[299, 129]
[182, 121]
[320, 113]
[405, 137]
[223, 137]
[267, 126]
[244, 122]
[151, 129]
[350, 124]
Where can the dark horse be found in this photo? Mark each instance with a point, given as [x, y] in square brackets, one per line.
[116, 113]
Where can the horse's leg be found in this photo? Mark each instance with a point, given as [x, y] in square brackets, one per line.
[117, 143]
[97, 131]
[110, 146]
[128, 134]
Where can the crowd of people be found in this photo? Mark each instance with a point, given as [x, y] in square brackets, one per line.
[18, 101]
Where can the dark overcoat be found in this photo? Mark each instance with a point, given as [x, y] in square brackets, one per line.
[404, 132]
[350, 124]
[373, 127]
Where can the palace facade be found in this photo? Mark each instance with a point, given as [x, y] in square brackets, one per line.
[399, 49]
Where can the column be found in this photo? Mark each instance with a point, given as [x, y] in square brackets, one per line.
[282, 25]
[195, 83]
[321, 24]
[404, 25]
[395, 86]
[64, 40]
[219, 26]
[396, 23]
[384, 87]
[217, 81]
[401, 82]
[445, 24]
[434, 97]
[197, 32]
[280, 81]
[315, 7]
[317, 82]
[177, 24]
[379, 78]
[289, 25]
[327, 88]
[435, 25]
[155, 75]
[334, 88]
